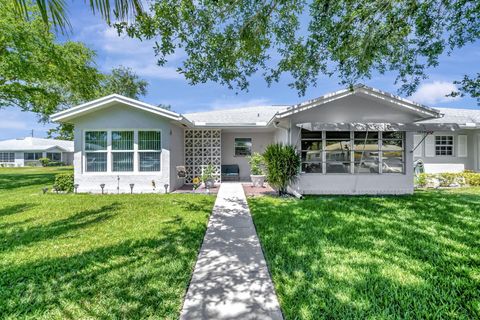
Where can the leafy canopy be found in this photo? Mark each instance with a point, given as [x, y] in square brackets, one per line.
[37, 73]
[229, 41]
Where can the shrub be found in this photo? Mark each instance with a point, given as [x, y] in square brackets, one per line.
[44, 161]
[446, 179]
[256, 163]
[472, 178]
[55, 164]
[422, 180]
[64, 182]
[283, 163]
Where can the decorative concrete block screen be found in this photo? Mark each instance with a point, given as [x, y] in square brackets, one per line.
[202, 148]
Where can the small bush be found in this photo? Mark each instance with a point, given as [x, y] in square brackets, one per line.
[283, 163]
[446, 179]
[64, 182]
[472, 178]
[256, 163]
[44, 161]
[55, 164]
[422, 180]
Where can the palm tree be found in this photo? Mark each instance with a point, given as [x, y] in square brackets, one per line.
[55, 11]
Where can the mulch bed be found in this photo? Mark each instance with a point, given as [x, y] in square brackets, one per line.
[258, 191]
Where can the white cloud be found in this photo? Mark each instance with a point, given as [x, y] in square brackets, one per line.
[122, 50]
[434, 92]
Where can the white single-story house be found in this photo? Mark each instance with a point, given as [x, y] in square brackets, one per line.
[27, 151]
[354, 141]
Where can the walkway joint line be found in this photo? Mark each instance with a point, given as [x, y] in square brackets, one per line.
[231, 278]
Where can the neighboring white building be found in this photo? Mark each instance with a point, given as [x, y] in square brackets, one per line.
[360, 141]
[27, 151]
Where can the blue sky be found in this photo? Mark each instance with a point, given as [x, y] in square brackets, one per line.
[168, 87]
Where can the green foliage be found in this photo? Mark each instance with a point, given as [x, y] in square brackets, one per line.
[421, 180]
[364, 257]
[44, 161]
[468, 86]
[472, 178]
[257, 164]
[38, 73]
[208, 172]
[95, 252]
[55, 12]
[228, 42]
[64, 182]
[446, 179]
[282, 163]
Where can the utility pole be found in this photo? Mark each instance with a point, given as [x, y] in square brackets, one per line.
[31, 133]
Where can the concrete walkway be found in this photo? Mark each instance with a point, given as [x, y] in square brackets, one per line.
[231, 279]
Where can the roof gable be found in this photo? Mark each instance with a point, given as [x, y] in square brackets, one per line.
[424, 112]
[111, 100]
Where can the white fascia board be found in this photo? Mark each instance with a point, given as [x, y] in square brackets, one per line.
[89, 106]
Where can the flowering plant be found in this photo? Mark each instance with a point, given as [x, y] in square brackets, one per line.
[196, 183]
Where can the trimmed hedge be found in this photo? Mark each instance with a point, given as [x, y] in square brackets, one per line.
[448, 179]
[64, 182]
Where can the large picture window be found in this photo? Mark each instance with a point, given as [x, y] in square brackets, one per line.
[54, 156]
[444, 145]
[7, 157]
[96, 151]
[119, 150]
[149, 150]
[243, 147]
[357, 152]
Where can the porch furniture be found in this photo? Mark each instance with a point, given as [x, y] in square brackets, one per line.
[230, 172]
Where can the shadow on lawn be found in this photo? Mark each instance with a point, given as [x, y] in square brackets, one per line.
[358, 257]
[26, 236]
[16, 208]
[131, 279]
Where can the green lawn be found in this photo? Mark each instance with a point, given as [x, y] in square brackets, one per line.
[344, 257]
[93, 256]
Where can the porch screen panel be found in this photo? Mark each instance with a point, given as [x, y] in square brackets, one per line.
[312, 151]
[149, 151]
[338, 148]
[202, 148]
[393, 152]
[366, 152]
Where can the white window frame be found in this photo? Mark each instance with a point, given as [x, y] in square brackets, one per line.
[122, 151]
[138, 151]
[444, 145]
[8, 157]
[234, 147]
[136, 169]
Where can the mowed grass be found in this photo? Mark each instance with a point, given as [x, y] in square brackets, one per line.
[408, 257]
[77, 256]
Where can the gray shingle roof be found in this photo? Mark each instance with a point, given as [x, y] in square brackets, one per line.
[249, 115]
[34, 144]
[458, 116]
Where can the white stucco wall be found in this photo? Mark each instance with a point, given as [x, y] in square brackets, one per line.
[453, 163]
[354, 109]
[177, 156]
[260, 140]
[122, 118]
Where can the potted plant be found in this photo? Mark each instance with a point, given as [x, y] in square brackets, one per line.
[207, 176]
[257, 173]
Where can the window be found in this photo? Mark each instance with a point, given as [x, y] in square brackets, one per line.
[243, 147]
[338, 151]
[352, 152]
[96, 151]
[444, 145]
[393, 152]
[149, 150]
[312, 151]
[122, 151]
[7, 157]
[32, 155]
[54, 156]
